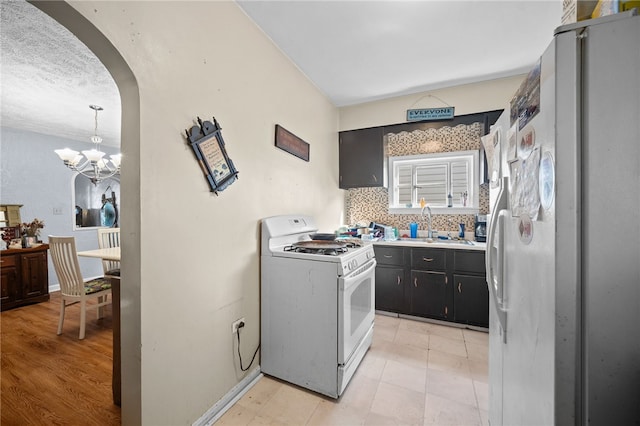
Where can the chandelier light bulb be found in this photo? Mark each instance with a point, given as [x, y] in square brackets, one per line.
[93, 155]
[66, 154]
[116, 159]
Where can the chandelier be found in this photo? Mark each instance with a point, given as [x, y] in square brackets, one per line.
[91, 165]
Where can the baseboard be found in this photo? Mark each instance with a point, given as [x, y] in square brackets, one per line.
[226, 402]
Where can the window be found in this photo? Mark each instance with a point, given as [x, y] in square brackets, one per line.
[433, 177]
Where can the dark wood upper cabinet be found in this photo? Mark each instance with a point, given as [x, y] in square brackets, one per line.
[361, 158]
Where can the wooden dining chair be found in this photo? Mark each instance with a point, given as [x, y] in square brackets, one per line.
[73, 288]
[109, 237]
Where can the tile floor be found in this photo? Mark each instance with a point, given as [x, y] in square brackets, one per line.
[415, 373]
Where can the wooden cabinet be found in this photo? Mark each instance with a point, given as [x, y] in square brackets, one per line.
[438, 283]
[9, 279]
[24, 275]
[429, 288]
[471, 294]
[471, 300]
[390, 278]
[361, 159]
[429, 294]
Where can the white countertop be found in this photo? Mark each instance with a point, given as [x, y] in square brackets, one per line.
[435, 243]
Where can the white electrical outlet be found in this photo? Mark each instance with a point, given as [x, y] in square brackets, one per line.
[234, 325]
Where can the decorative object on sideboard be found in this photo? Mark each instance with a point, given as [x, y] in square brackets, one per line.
[91, 165]
[208, 146]
[30, 232]
[15, 243]
[10, 233]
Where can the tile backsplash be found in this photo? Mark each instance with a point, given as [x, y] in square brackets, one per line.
[365, 205]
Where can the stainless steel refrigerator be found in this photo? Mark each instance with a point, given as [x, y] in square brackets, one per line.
[563, 249]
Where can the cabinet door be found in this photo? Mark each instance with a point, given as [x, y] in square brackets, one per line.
[389, 288]
[389, 256]
[429, 259]
[361, 160]
[9, 281]
[35, 276]
[471, 300]
[429, 295]
[469, 262]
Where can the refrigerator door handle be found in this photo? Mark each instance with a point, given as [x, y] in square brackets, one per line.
[495, 253]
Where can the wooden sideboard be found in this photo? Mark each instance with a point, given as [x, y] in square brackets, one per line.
[25, 276]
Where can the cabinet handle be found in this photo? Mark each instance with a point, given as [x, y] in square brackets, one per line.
[428, 259]
[388, 256]
[459, 290]
[446, 310]
[375, 179]
[415, 282]
[399, 280]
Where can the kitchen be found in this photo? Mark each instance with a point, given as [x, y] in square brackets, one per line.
[158, 187]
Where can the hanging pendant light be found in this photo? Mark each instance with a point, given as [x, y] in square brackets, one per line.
[91, 164]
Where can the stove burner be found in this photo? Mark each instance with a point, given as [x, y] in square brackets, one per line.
[329, 251]
[330, 248]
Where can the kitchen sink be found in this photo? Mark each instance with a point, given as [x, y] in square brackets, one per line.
[437, 240]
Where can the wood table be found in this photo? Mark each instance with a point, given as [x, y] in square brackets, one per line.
[112, 253]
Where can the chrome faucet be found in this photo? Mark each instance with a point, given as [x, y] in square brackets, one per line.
[429, 230]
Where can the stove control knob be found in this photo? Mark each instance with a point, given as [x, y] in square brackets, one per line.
[369, 255]
[354, 264]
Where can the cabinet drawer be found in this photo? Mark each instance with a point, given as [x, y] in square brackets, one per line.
[8, 260]
[389, 255]
[469, 262]
[429, 259]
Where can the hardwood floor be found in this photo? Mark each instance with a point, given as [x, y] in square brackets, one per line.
[56, 380]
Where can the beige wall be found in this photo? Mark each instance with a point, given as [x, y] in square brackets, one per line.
[191, 259]
[198, 253]
[467, 99]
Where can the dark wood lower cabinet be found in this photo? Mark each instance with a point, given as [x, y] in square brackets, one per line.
[429, 295]
[24, 276]
[438, 283]
[469, 296]
[390, 288]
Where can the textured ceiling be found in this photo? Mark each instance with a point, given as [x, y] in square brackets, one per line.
[353, 51]
[49, 78]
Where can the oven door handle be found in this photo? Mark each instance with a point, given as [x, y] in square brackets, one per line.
[348, 280]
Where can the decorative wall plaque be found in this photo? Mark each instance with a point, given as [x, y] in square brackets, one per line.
[289, 142]
[208, 146]
[423, 114]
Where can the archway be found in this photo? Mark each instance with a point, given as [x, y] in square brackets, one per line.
[86, 32]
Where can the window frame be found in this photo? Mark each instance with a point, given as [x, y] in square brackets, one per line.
[471, 157]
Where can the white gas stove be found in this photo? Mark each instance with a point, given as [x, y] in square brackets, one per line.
[289, 236]
[317, 305]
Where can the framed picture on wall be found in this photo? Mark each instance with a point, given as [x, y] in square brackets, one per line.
[290, 143]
